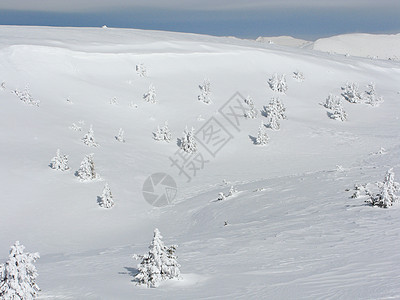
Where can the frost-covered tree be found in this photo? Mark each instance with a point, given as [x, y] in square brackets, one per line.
[3, 86]
[88, 138]
[338, 112]
[205, 91]
[275, 111]
[18, 275]
[163, 133]
[150, 95]
[87, 170]
[262, 136]
[120, 137]
[371, 97]
[106, 199]
[251, 113]
[387, 191]
[26, 97]
[160, 263]
[278, 106]
[331, 101]
[188, 141]
[299, 76]
[351, 93]
[278, 83]
[232, 191]
[59, 162]
[141, 70]
[221, 196]
[114, 101]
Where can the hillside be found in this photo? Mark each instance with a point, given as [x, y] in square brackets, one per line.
[292, 231]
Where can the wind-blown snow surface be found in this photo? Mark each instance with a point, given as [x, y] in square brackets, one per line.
[293, 231]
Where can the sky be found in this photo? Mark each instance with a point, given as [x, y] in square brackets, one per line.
[308, 19]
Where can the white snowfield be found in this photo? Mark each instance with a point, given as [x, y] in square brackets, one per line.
[291, 231]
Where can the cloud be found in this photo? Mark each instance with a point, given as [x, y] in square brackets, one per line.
[86, 6]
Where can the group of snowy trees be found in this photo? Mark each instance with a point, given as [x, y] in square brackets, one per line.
[222, 196]
[18, 275]
[278, 83]
[351, 94]
[385, 194]
[159, 264]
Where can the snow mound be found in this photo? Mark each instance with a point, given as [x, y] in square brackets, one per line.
[378, 46]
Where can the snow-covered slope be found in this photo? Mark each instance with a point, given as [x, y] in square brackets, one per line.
[292, 230]
[378, 46]
[284, 41]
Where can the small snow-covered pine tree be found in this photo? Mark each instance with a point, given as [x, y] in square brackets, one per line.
[371, 97]
[262, 136]
[387, 194]
[162, 133]
[299, 76]
[232, 191]
[160, 263]
[59, 162]
[273, 82]
[351, 93]
[87, 170]
[120, 137]
[278, 83]
[338, 112]
[150, 96]
[106, 199]
[331, 101]
[141, 70]
[205, 91]
[18, 275]
[278, 106]
[88, 138]
[221, 196]
[252, 112]
[188, 141]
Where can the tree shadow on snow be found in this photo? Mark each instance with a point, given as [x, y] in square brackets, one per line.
[131, 272]
[253, 139]
[99, 200]
[179, 142]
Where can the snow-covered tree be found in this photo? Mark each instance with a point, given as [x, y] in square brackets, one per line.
[205, 91]
[188, 141]
[387, 191]
[251, 113]
[88, 138]
[141, 70]
[59, 162]
[338, 112]
[150, 95]
[18, 275]
[331, 101]
[299, 76]
[114, 101]
[262, 136]
[120, 137]
[160, 263]
[26, 97]
[221, 196]
[232, 191]
[278, 106]
[371, 97]
[87, 171]
[106, 199]
[351, 93]
[278, 83]
[3, 86]
[163, 133]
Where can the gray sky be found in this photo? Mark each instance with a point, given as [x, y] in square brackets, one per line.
[299, 18]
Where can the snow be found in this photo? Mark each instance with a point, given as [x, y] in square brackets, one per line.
[376, 46]
[291, 231]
